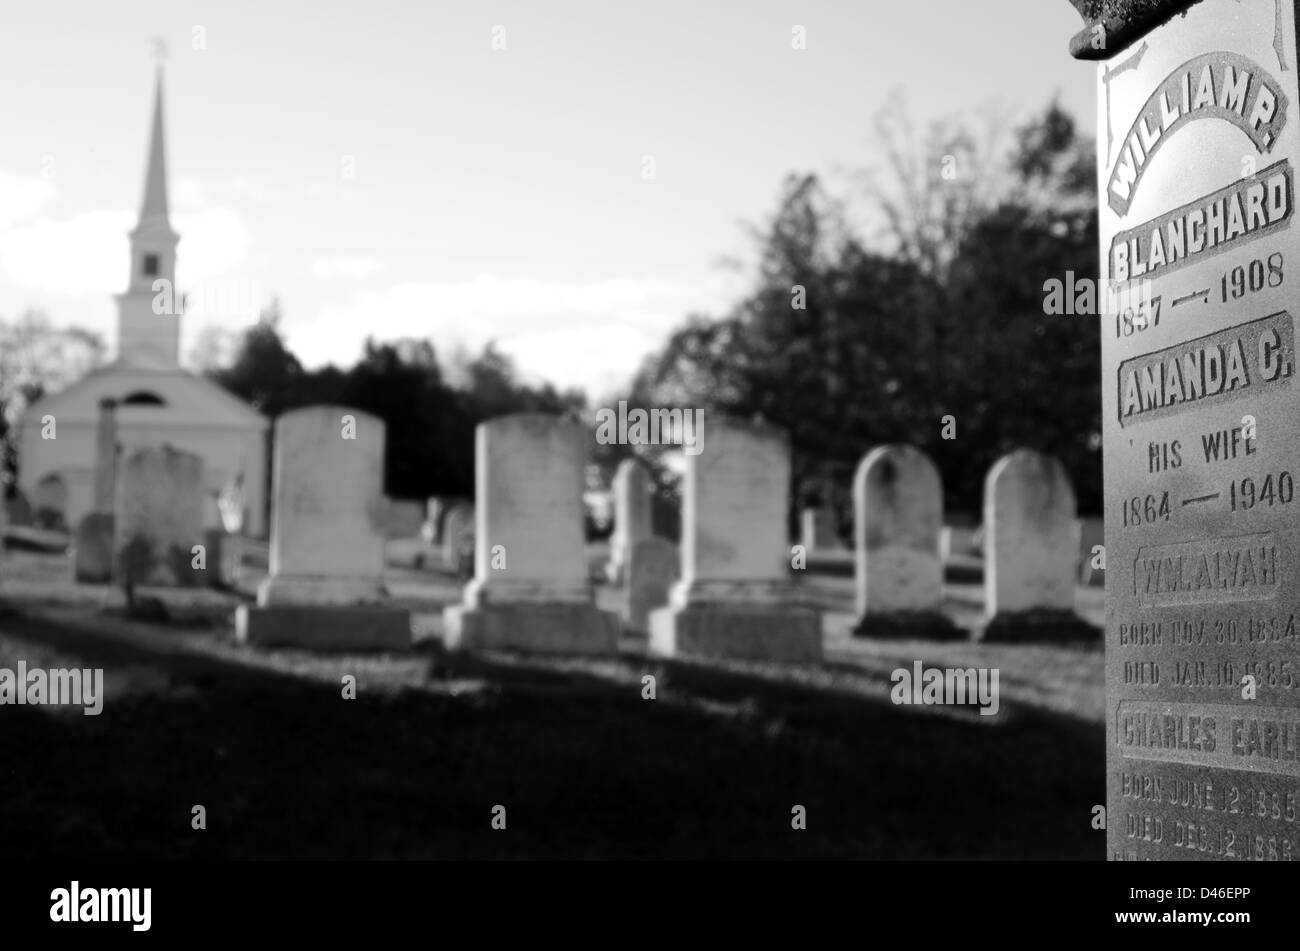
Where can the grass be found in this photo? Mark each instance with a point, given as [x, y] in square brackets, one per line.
[585, 767]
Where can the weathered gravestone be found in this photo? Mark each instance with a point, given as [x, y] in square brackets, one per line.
[159, 518]
[898, 513]
[1199, 415]
[651, 570]
[93, 545]
[735, 598]
[632, 515]
[530, 589]
[1030, 551]
[325, 590]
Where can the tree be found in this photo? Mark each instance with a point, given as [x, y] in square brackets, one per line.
[264, 372]
[37, 358]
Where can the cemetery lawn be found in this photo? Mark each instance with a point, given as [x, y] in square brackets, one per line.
[586, 768]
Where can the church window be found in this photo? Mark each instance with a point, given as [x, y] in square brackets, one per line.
[151, 265]
[143, 398]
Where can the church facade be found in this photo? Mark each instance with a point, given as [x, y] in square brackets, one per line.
[159, 402]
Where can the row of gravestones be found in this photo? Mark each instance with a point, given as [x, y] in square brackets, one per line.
[729, 594]
[898, 501]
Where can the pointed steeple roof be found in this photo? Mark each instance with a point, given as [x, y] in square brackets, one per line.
[153, 211]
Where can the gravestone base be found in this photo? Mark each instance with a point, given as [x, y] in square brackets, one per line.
[321, 591]
[537, 628]
[639, 609]
[94, 549]
[740, 631]
[1039, 624]
[333, 628]
[909, 625]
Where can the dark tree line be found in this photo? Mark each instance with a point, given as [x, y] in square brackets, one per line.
[430, 423]
[848, 345]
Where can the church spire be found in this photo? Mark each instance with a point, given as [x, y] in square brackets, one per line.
[154, 208]
[148, 327]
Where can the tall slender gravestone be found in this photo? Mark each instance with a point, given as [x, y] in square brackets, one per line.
[1198, 135]
[898, 513]
[1030, 551]
[632, 500]
[93, 545]
[159, 517]
[325, 590]
[735, 598]
[530, 589]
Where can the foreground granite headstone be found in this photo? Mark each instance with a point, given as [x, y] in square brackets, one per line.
[898, 513]
[735, 598]
[325, 590]
[159, 518]
[530, 589]
[1031, 551]
[1199, 411]
[632, 515]
[93, 544]
[652, 568]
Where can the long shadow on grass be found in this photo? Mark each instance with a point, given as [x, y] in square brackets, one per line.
[584, 766]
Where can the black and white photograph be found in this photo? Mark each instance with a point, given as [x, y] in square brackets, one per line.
[439, 440]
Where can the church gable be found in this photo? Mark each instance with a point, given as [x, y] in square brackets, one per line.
[178, 396]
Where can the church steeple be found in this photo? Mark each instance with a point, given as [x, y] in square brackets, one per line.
[149, 335]
[155, 179]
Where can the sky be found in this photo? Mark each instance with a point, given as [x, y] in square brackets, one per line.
[385, 171]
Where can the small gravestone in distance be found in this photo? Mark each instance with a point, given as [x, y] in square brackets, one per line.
[898, 505]
[325, 590]
[651, 570]
[50, 500]
[159, 518]
[1030, 551]
[818, 531]
[530, 590]
[458, 539]
[632, 515]
[402, 518]
[735, 598]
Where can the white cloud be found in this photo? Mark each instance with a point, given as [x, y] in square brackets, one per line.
[193, 192]
[88, 253]
[212, 243]
[346, 267]
[21, 198]
[84, 254]
[591, 335]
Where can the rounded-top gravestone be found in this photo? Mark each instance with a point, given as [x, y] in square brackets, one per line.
[1030, 549]
[898, 504]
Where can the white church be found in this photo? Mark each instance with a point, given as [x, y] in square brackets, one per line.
[158, 401]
